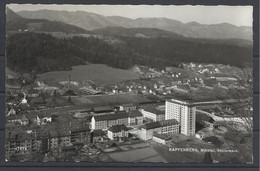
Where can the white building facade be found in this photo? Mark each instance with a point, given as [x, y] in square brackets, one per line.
[184, 112]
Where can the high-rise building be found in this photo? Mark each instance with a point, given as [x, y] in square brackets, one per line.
[184, 112]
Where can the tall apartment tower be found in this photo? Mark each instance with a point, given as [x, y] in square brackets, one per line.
[184, 112]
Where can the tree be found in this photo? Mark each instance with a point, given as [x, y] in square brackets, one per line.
[240, 100]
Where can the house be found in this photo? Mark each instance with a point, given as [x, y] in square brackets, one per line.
[21, 119]
[170, 126]
[69, 93]
[106, 120]
[161, 138]
[135, 117]
[97, 135]
[33, 93]
[117, 131]
[127, 107]
[205, 120]
[153, 112]
[43, 120]
[24, 120]
[202, 133]
[11, 112]
[80, 135]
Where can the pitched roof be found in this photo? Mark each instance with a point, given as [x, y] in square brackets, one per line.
[153, 109]
[69, 93]
[134, 113]
[80, 129]
[33, 91]
[102, 109]
[23, 118]
[118, 115]
[158, 124]
[169, 122]
[127, 105]
[98, 132]
[43, 115]
[162, 136]
[152, 125]
[204, 117]
[118, 128]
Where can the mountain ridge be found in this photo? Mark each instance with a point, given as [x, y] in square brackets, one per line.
[91, 21]
[17, 23]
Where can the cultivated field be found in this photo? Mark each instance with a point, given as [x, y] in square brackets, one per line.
[98, 73]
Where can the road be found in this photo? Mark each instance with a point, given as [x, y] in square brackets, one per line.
[227, 119]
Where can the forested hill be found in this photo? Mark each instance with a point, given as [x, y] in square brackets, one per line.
[16, 23]
[184, 50]
[42, 52]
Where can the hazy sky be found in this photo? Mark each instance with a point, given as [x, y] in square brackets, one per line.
[237, 15]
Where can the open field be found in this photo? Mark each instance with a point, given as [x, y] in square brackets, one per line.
[107, 100]
[139, 155]
[98, 73]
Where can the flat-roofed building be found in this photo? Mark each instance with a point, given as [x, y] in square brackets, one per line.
[135, 117]
[154, 112]
[161, 138]
[107, 120]
[160, 127]
[102, 110]
[80, 135]
[127, 107]
[184, 112]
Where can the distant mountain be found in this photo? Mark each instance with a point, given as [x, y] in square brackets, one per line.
[91, 21]
[136, 32]
[15, 22]
[158, 33]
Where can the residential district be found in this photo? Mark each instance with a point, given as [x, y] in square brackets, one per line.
[71, 121]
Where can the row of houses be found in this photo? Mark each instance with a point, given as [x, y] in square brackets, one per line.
[43, 141]
[23, 120]
[105, 121]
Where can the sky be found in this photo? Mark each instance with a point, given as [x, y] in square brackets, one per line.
[237, 15]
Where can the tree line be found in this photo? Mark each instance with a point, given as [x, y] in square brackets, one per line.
[38, 52]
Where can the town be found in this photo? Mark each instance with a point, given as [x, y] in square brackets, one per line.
[68, 120]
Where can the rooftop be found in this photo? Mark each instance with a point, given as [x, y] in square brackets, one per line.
[127, 105]
[158, 124]
[134, 113]
[162, 136]
[80, 129]
[21, 117]
[204, 117]
[103, 109]
[69, 93]
[32, 91]
[111, 116]
[98, 132]
[118, 128]
[154, 109]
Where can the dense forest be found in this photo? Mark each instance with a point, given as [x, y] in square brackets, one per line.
[40, 52]
[183, 50]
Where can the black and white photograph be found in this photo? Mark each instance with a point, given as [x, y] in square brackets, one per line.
[129, 83]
